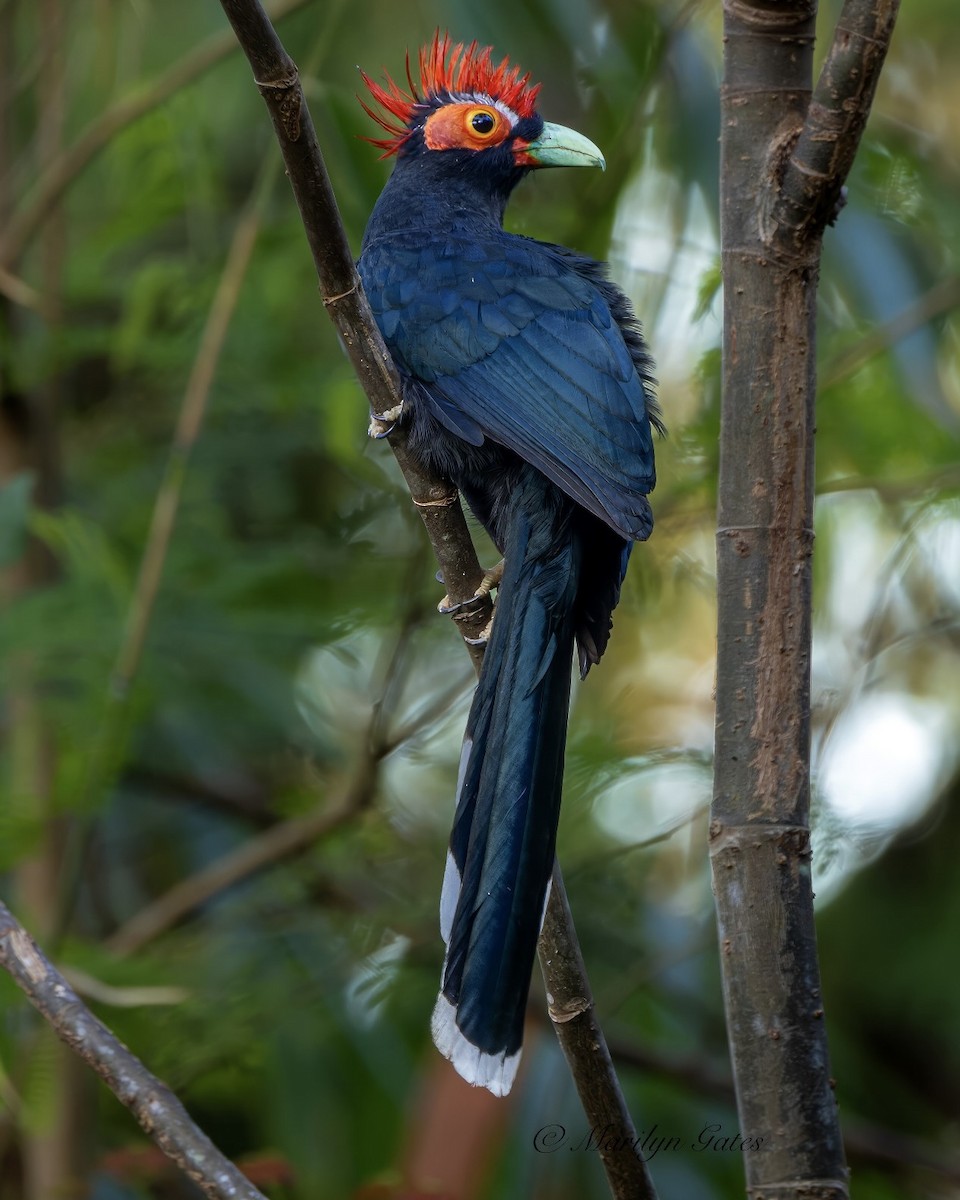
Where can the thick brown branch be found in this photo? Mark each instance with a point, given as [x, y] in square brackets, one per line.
[159, 1112]
[824, 152]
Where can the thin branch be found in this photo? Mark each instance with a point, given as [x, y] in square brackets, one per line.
[814, 175]
[572, 1011]
[158, 1111]
[192, 411]
[436, 500]
[894, 491]
[289, 837]
[282, 840]
[941, 298]
[104, 754]
[20, 292]
[59, 174]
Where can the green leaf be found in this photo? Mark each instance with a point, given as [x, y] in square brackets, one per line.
[14, 516]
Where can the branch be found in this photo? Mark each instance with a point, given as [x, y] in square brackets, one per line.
[941, 298]
[759, 829]
[295, 834]
[436, 500]
[59, 174]
[105, 753]
[830, 136]
[20, 292]
[282, 840]
[572, 1012]
[865, 1140]
[158, 1111]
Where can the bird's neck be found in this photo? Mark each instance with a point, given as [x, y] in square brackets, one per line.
[437, 194]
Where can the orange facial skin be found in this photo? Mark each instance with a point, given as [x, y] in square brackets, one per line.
[472, 126]
[466, 127]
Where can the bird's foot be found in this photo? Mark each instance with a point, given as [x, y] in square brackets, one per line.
[383, 424]
[484, 635]
[491, 579]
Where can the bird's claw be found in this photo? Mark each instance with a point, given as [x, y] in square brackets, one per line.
[383, 424]
[483, 637]
[491, 579]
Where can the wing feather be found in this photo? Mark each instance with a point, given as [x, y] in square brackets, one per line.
[516, 341]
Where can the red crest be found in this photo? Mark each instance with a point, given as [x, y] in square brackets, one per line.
[455, 69]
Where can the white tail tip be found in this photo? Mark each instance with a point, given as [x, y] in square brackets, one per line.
[495, 1072]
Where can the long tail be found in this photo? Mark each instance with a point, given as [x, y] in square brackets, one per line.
[508, 802]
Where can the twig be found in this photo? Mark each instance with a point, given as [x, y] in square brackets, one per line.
[59, 174]
[893, 491]
[436, 501]
[266, 849]
[20, 292]
[189, 421]
[942, 297]
[158, 1111]
[277, 78]
[830, 136]
[103, 756]
[280, 841]
[293, 835]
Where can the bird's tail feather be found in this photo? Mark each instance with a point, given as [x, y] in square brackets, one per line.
[508, 804]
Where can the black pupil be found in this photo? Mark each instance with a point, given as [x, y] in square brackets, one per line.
[482, 122]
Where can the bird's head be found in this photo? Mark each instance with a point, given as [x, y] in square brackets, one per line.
[472, 114]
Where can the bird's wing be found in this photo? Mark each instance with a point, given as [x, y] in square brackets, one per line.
[515, 341]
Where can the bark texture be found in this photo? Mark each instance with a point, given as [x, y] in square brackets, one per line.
[785, 151]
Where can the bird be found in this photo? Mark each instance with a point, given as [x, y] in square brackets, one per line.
[526, 382]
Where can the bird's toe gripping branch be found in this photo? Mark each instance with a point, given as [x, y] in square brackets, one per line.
[490, 580]
[383, 424]
[467, 608]
[484, 635]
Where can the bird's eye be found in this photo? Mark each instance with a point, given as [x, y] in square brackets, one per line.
[482, 122]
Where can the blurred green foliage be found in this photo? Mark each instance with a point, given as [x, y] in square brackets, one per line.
[295, 631]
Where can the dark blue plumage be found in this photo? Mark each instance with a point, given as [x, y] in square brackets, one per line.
[527, 383]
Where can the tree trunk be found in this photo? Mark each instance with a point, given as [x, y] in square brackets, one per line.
[783, 162]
